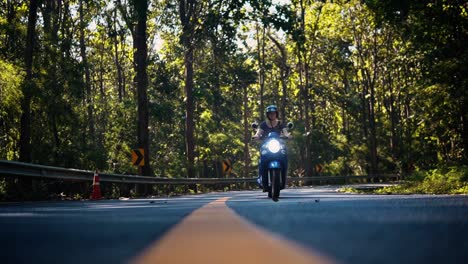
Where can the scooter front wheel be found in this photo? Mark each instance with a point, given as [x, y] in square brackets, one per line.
[274, 191]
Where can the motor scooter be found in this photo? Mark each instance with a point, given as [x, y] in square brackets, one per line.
[273, 163]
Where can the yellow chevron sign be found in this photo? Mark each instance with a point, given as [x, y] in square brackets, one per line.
[227, 167]
[138, 157]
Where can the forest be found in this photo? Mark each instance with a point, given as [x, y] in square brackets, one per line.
[373, 87]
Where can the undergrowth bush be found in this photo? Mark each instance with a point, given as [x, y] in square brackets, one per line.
[451, 180]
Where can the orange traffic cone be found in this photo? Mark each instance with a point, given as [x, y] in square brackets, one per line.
[96, 187]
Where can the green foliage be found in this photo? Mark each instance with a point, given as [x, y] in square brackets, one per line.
[3, 189]
[10, 111]
[449, 180]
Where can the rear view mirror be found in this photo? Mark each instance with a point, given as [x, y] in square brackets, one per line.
[290, 125]
[254, 125]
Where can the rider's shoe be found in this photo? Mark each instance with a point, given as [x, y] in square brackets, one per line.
[259, 181]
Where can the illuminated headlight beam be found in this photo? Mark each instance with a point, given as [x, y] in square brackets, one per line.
[274, 146]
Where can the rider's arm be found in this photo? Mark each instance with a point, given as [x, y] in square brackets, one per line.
[285, 133]
[259, 134]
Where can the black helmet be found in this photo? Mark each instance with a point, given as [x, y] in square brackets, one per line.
[272, 108]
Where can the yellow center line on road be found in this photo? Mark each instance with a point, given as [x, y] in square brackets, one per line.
[216, 234]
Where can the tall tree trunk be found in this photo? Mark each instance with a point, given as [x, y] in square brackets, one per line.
[302, 101]
[407, 150]
[369, 77]
[51, 14]
[369, 119]
[84, 57]
[284, 74]
[141, 79]
[140, 55]
[12, 34]
[464, 127]
[120, 85]
[216, 89]
[308, 166]
[261, 55]
[393, 112]
[25, 134]
[306, 91]
[345, 106]
[372, 123]
[393, 103]
[25, 184]
[187, 13]
[373, 132]
[364, 108]
[189, 109]
[247, 134]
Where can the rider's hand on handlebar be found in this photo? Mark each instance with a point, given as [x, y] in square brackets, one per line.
[286, 135]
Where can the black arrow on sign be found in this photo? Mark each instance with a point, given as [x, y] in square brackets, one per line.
[227, 166]
[139, 158]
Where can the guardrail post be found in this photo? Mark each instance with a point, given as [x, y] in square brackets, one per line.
[25, 187]
[155, 187]
[139, 189]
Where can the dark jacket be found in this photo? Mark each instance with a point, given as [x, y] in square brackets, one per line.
[267, 130]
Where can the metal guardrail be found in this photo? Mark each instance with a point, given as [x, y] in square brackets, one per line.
[20, 169]
[347, 178]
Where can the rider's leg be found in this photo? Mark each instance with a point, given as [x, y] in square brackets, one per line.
[284, 174]
[262, 175]
[259, 178]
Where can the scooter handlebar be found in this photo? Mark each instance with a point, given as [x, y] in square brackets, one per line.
[257, 138]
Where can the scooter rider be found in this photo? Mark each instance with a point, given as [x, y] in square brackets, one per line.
[271, 124]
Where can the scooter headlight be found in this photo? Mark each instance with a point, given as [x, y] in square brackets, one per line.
[273, 146]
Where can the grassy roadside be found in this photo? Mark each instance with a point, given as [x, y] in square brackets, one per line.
[451, 180]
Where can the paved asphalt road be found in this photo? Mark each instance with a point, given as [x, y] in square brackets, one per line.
[346, 228]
